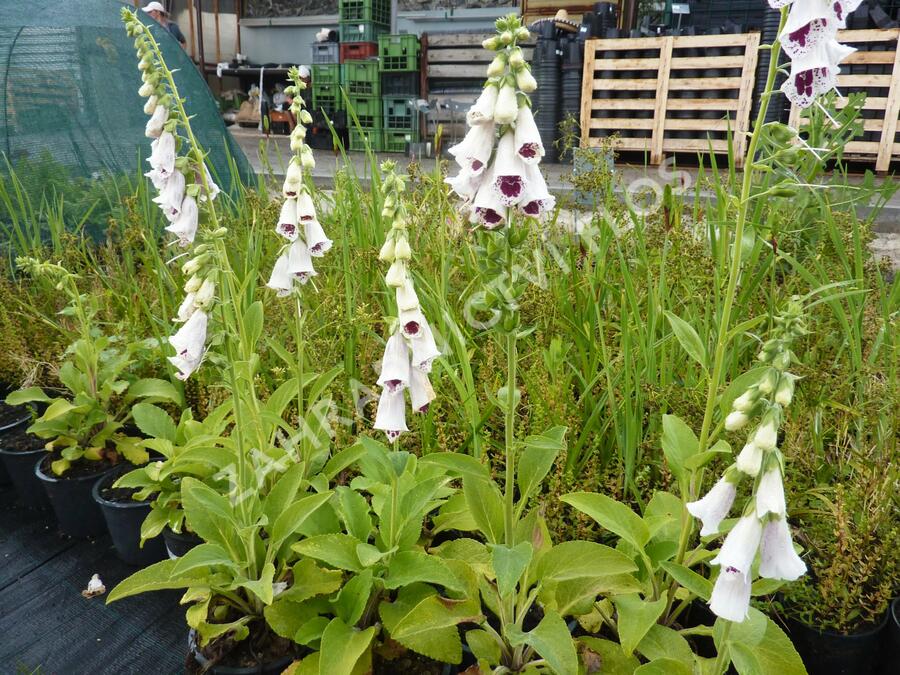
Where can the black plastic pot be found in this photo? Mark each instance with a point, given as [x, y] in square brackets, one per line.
[828, 653]
[272, 668]
[20, 468]
[890, 655]
[177, 544]
[123, 520]
[76, 511]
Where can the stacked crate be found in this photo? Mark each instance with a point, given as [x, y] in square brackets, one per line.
[398, 60]
[360, 22]
[363, 88]
[326, 88]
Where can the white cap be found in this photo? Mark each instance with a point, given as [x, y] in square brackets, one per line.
[154, 6]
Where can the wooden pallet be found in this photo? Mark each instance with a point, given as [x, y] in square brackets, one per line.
[669, 94]
[878, 48]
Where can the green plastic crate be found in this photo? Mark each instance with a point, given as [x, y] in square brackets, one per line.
[399, 113]
[358, 138]
[365, 10]
[361, 31]
[329, 104]
[368, 110]
[327, 92]
[396, 141]
[326, 74]
[398, 53]
[361, 78]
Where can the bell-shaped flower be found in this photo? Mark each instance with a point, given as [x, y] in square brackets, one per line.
[407, 299]
[778, 559]
[205, 294]
[740, 545]
[745, 402]
[766, 435]
[536, 198]
[391, 415]
[529, 146]
[287, 220]
[187, 307]
[714, 506]
[185, 225]
[487, 207]
[465, 184]
[474, 151]
[770, 494]
[482, 111]
[507, 108]
[784, 394]
[189, 343]
[815, 73]
[316, 240]
[145, 90]
[212, 189]
[730, 598]
[293, 180]
[156, 122]
[421, 393]
[749, 459]
[150, 105]
[386, 253]
[306, 209]
[809, 23]
[402, 250]
[736, 420]
[293, 265]
[162, 155]
[509, 180]
[525, 81]
[424, 348]
[171, 197]
[842, 10]
[298, 136]
[395, 371]
[396, 274]
[411, 322]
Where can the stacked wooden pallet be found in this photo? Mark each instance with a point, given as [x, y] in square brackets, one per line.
[874, 69]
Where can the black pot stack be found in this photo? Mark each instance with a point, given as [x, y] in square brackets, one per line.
[779, 106]
[546, 69]
[572, 71]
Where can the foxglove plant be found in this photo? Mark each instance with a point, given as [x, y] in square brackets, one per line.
[410, 348]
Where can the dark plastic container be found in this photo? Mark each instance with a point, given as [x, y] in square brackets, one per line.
[177, 544]
[890, 655]
[76, 511]
[123, 520]
[20, 468]
[828, 653]
[271, 668]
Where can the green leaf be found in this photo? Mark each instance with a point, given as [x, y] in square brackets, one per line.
[253, 324]
[606, 657]
[679, 443]
[758, 645]
[408, 567]
[208, 513]
[337, 550]
[486, 505]
[151, 387]
[343, 648]
[484, 647]
[635, 618]
[462, 466]
[701, 459]
[292, 518]
[509, 565]
[664, 666]
[58, 408]
[552, 641]
[351, 602]
[262, 587]
[537, 459]
[283, 492]
[696, 584]
[27, 395]
[286, 618]
[582, 559]
[353, 510]
[157, 577]
[663, 642]
[613, 515]
[154, 421]
[688, 338]
[342, 460]
[204, 555]
[472, 552]
[311, 580]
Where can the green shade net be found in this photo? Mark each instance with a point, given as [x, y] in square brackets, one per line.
[68, 94]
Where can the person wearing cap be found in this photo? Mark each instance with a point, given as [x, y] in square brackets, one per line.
[161, 16]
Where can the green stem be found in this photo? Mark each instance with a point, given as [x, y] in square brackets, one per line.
[721, 659]
[511, 362]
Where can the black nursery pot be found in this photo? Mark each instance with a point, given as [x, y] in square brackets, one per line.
[123, 520]
[271, 668]
[177, 544]
[76, 511]
[828, 653]
[19, 466]
[891, 650]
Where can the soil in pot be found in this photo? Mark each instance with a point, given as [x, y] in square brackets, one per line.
[124, 517]
[71, 497]
[828, 653]
[179, 543]
[19, 451]
[392, 658]
[11, 415]
[266, 654]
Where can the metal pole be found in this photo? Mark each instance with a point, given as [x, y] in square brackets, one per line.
[238, 13]
[190, 4]
[218, 39]
[200, 37]
[393, 17]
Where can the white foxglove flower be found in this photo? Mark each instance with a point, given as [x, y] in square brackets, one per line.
[842, 9]
[193, 284]
[185, 225]
[150, 105]
[391, 415]
[766, 436]
[509, 172]
[731, 595]
[525, 81]
[778, 560]
[784, 394]
[487, 207]
[536, 199]
[406, 296]
[386, 254]
[465, 184]
[396, 275]
[156, 122]
[205, 294]
[809, 23]
[293, 180]
[316, 241]
[295, 264]
[189, 343]
[212, 189]
[424, 348]
[529, 146]
[162, 155]
[287, 220]
[171, 196]
[187, 308]
[740, 546]
[307, 160]
[306, 210]
[421, 393]
[736, 420]
[158, 179]
[745, 402]
[402, 250]
[411, 322]
[498, 66]
[297, 137]
[474, 151]
[145, 90]
[749, 460]
[507, 108]
[395, 372]
[815, 73]
[482, 111]
[770, 494]
[714, 506]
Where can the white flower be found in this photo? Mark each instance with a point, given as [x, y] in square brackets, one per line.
[293, 265]
[745, 402]
[736, 420]
[815, 73]
[536, 199]
[474, 151]
[406, 296]
[386, 254]
[525, 81]
[740, 545]
[842, 9]
[785, 392]
[212, 189]
[766, 436]
[411, 322]
[187, 308]
[731, 596]
[424, 348]
[770, 494]
[293, 180]
[482, 111]
[391, 415]
[156, 122]
[465, 184]
[487, 207]
[396, 274]
[185, 225]
[171, 196]
[809, 23]
[402, 251]
[714, 506]
[162, 155]
[306, 210]
[287, 220]
[507, 108]
[497, 66]
[150, 105]
[421, 393]
[193, 284]
[205, 293]
[778, 560]
[529, 146]
[145, 90]
[395, 373]
[750, 459]
[509, 180]
[316, 240]
[189, 343]
[307, 160]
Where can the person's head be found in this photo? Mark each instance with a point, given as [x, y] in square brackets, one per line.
[157, 11]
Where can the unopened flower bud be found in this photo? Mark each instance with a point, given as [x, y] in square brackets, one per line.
[194, 265]
[193, 284]
[386, 254]
[491, 44]
[401, 249]
[150, 105]
[768, 383]
[396, 275]
[145, 90]
[516, 59]
[736, 420]
[782, 360]
[749, 459]
[306, 158]
[498, 66]
[525, 81]
[745, 402]
[506, 38]
[523, 34]
[766, 436]
[305, 117]
[785, 392]
[205, 294]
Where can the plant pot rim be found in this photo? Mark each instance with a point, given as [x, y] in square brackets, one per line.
[873, 630]
[19, 422]
[183, 536]
[109, 504]
[78, 479]
[894, 609]
[249, 670]
[21, 453]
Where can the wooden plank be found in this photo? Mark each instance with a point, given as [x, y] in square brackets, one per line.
[891, 113]
[700, 83]
[742, 119]
[457, 72]
[868, 58]
[704, 62]
[696, 144]
[587, 94]
[619, 44]
[727, 40]
[622, 123]
[473, 55]
[619, 103]
[884, 81]
[869, 35]
[457, 39]
[662, 95]
[699, 125]
[648, 84]
[626, 64]
[862, 148]
[723, 104]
